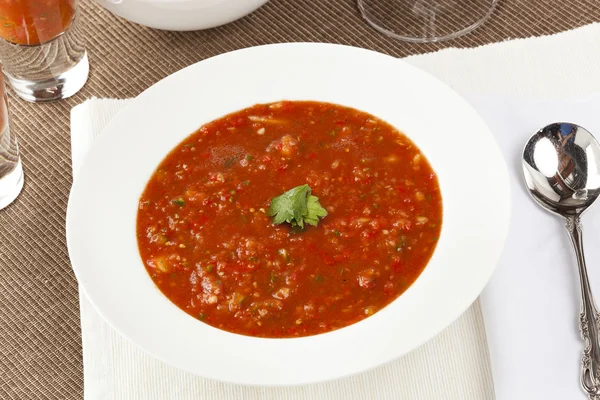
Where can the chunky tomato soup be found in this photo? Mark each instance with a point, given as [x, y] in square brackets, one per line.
[32, 22]
[207, 228]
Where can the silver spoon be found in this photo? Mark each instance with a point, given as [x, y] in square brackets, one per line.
[561, 164]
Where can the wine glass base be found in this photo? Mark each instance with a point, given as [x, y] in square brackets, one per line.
[426, 21]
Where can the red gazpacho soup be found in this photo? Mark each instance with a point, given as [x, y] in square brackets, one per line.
[33, 22]
[289, 219]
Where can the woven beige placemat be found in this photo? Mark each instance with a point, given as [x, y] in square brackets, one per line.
[40, 343]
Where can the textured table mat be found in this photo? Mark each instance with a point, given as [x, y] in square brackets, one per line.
[40, 343]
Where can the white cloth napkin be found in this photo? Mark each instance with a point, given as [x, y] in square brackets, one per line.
[454, 365]
[116, 369]
[531, 306]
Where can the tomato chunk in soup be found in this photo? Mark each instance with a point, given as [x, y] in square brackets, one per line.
[208, 244]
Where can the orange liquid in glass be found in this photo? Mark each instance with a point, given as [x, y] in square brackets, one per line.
[34, 22]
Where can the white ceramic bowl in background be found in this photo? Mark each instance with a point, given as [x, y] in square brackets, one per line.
[101, 216]
[181, 15]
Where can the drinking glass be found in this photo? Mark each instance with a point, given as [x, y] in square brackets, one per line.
[41, 48]
[11, 170]
[426, 20]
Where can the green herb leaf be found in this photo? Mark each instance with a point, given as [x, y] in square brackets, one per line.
[290, 206]
[180, 202]
[296, 207]
[315, 211]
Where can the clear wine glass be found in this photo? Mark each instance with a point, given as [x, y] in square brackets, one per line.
[426, 20]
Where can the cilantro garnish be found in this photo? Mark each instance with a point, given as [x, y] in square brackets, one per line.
[296, 207]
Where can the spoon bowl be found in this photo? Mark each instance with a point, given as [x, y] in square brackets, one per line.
[561, 164]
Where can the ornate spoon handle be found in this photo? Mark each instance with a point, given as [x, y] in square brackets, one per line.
[589, 319]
